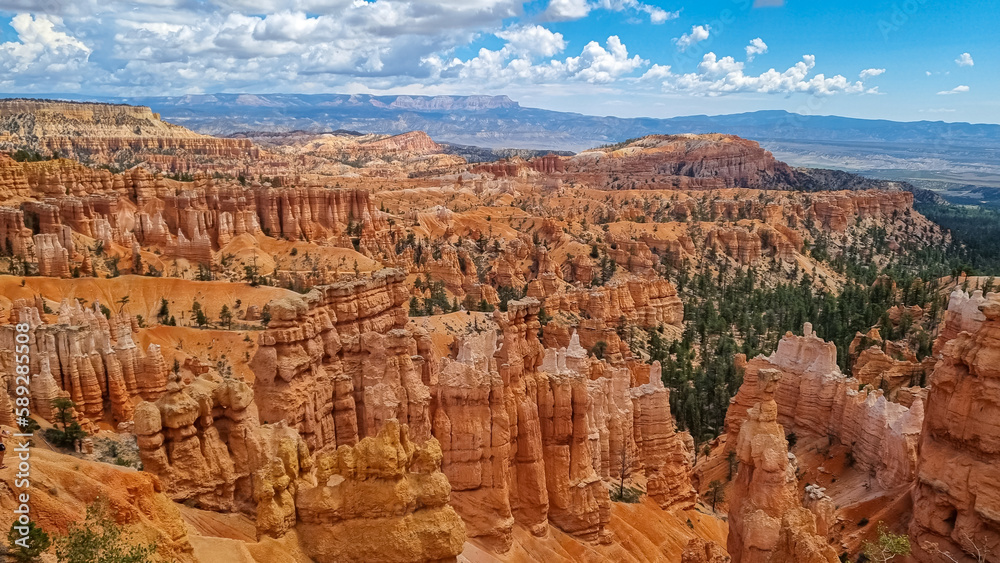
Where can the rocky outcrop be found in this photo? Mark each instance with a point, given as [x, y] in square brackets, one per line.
[53, 259]
[100, 131]
[835, 211]
[956, 503]
[766, 519]
[527, 435]
[962, 315]
[516, 167]
[662, 450]
[736, 242]
[188, 220]
[704, 551]
[93, 359]
[336, 363]
[384, 499]
[814, 397]
[646, 303]
[748, 245]
[412, 142]
[196, 459]
[682, 162]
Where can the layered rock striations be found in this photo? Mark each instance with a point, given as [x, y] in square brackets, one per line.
[100, 131]
[383, 499]
[956, 502]
[94, 360]
[684, 162]
[814, 397]
[766, 520]
[202, 442]
[336, 363]
[188, 220]
[527, 434]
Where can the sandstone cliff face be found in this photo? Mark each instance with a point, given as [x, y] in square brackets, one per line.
[962, 315]
[202, 441]
[94, 360]
[704, 551]
[517, 167]
[683, 161]
[336, 363]
[413, 142]
[814, 397]
[101, 130]
[889, 366]
[188, 220]
[766, 519]
[527, 434]
[956, 503]
[643, 302]
[383, 499]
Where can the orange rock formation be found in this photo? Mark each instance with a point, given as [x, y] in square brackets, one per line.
[766, 518]
[383, 499]
[956, 503]
[814, 397]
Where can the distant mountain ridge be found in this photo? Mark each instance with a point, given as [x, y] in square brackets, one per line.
[936, 152]
[498, 121]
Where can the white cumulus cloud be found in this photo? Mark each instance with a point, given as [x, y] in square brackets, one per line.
[965, 59]
[756, 47]
[560, 10]
[870, 72]
[956, 90]
[596, 64]
[42, 51]
[698, 34]
[532, 40]
[717, 76]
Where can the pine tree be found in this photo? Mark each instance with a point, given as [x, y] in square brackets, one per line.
[226, 316]
[26, 548]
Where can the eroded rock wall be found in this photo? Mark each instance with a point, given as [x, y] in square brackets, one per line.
[527, 434]
[814, 397]
[956, 503]
[382, 499]
[766, 519]
[94, 360]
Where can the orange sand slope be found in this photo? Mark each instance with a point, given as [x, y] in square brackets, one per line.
[642, 533]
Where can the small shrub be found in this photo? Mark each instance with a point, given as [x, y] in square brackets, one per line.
[599, 349]
[627, 495]
[792, 439]
[100, 539]
[26, 548]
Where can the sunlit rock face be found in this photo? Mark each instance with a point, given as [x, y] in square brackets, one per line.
[956, 503]
[528, 434]
[766, 518]
[814, 397]
[383, 499]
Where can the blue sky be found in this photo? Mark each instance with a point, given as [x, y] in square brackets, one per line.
[902, 60]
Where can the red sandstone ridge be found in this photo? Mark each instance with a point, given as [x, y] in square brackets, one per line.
[99, 131]
[138, 210]
[682, 162]
[528, 434]
[413, 142]
[515, 167]
[766, 520]
[956, 504]
[814, 398]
